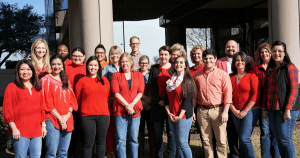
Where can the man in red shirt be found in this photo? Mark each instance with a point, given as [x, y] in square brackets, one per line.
[214, 96]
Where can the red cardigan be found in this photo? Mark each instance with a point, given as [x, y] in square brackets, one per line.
[92, 96]
[55, 97]
[247, 89]
[119, 85]
[24, 110]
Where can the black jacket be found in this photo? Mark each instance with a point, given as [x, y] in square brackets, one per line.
[158, 112]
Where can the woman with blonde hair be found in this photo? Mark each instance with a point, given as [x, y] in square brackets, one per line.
[177, 50]
[128, 87]
[40, 55]
[107, 71]
[196, 57]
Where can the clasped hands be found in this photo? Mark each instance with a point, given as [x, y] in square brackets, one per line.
[129, 108]
[63, 121]
[174, 118]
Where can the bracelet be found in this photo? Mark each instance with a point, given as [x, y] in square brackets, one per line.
[70, 111]
[44, 125]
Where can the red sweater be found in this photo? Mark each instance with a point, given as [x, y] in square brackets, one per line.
[75, 72]
[175, 101]
[92, 96]
[119, 85]
[194, 69]
[54, 97]
[247, 89]
[24, 110]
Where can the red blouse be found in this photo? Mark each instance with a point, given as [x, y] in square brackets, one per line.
[92, 96]
[246, 90]
[75, 72]
[119, 85]
[162, 78]
[175, 101]
[24, 109]
[54, 97]
[194, 69]
[41, 73]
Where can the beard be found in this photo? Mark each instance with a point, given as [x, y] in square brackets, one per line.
[229, 55]
[65, 57]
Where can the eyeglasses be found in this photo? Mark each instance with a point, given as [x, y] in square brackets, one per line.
[77, 56]
[143, 63]
[279, 51]
[134, 44]
[99, 52]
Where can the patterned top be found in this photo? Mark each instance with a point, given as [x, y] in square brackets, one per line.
[54, 97]
[271, 95]
[109, 70]
[136, 59]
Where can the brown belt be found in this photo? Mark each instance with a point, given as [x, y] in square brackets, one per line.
[211, 106]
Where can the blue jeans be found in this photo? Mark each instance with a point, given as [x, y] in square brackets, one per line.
[268, 143]
[124, 124]
[244, 128]
[22, 146]
[283, 131]
[180, 131]
[158, 128]
[57, 141]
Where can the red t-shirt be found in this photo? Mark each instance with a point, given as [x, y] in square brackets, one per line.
[24, 109]
[194, 69]
[246, 90]
[75, 72]
[175, 101]
[92, 96]
[54, 97]
[162, 78]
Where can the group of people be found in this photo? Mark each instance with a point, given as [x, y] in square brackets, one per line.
[107, 102]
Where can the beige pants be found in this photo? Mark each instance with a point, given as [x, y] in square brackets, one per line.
[209, 124]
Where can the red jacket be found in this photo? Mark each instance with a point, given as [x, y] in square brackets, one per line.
[119, 85]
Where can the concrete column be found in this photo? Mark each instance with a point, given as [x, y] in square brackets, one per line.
[96, 24]
[284, 26]
[74, 24]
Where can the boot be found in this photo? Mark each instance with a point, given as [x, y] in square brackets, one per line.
[151, 144]
[141, 144]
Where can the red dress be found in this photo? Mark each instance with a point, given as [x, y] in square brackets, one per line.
[54, 97]
[24, 109]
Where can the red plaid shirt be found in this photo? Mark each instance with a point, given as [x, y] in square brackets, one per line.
[271, 96]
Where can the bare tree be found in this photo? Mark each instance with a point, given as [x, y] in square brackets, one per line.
[156, 60]
[198, 36]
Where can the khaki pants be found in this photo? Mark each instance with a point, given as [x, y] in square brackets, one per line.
[209, 124]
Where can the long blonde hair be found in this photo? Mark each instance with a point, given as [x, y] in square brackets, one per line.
[46, 58]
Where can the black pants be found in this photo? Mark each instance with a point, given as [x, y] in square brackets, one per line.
[94, 126]
[146, 117]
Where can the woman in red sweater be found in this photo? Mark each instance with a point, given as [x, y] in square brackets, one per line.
[22, 98]
[75, 71]
[196, 57]
[179, 105]
[128, 88]
[59, 102]
[92, 93]
[40, 57]
[245, 109]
